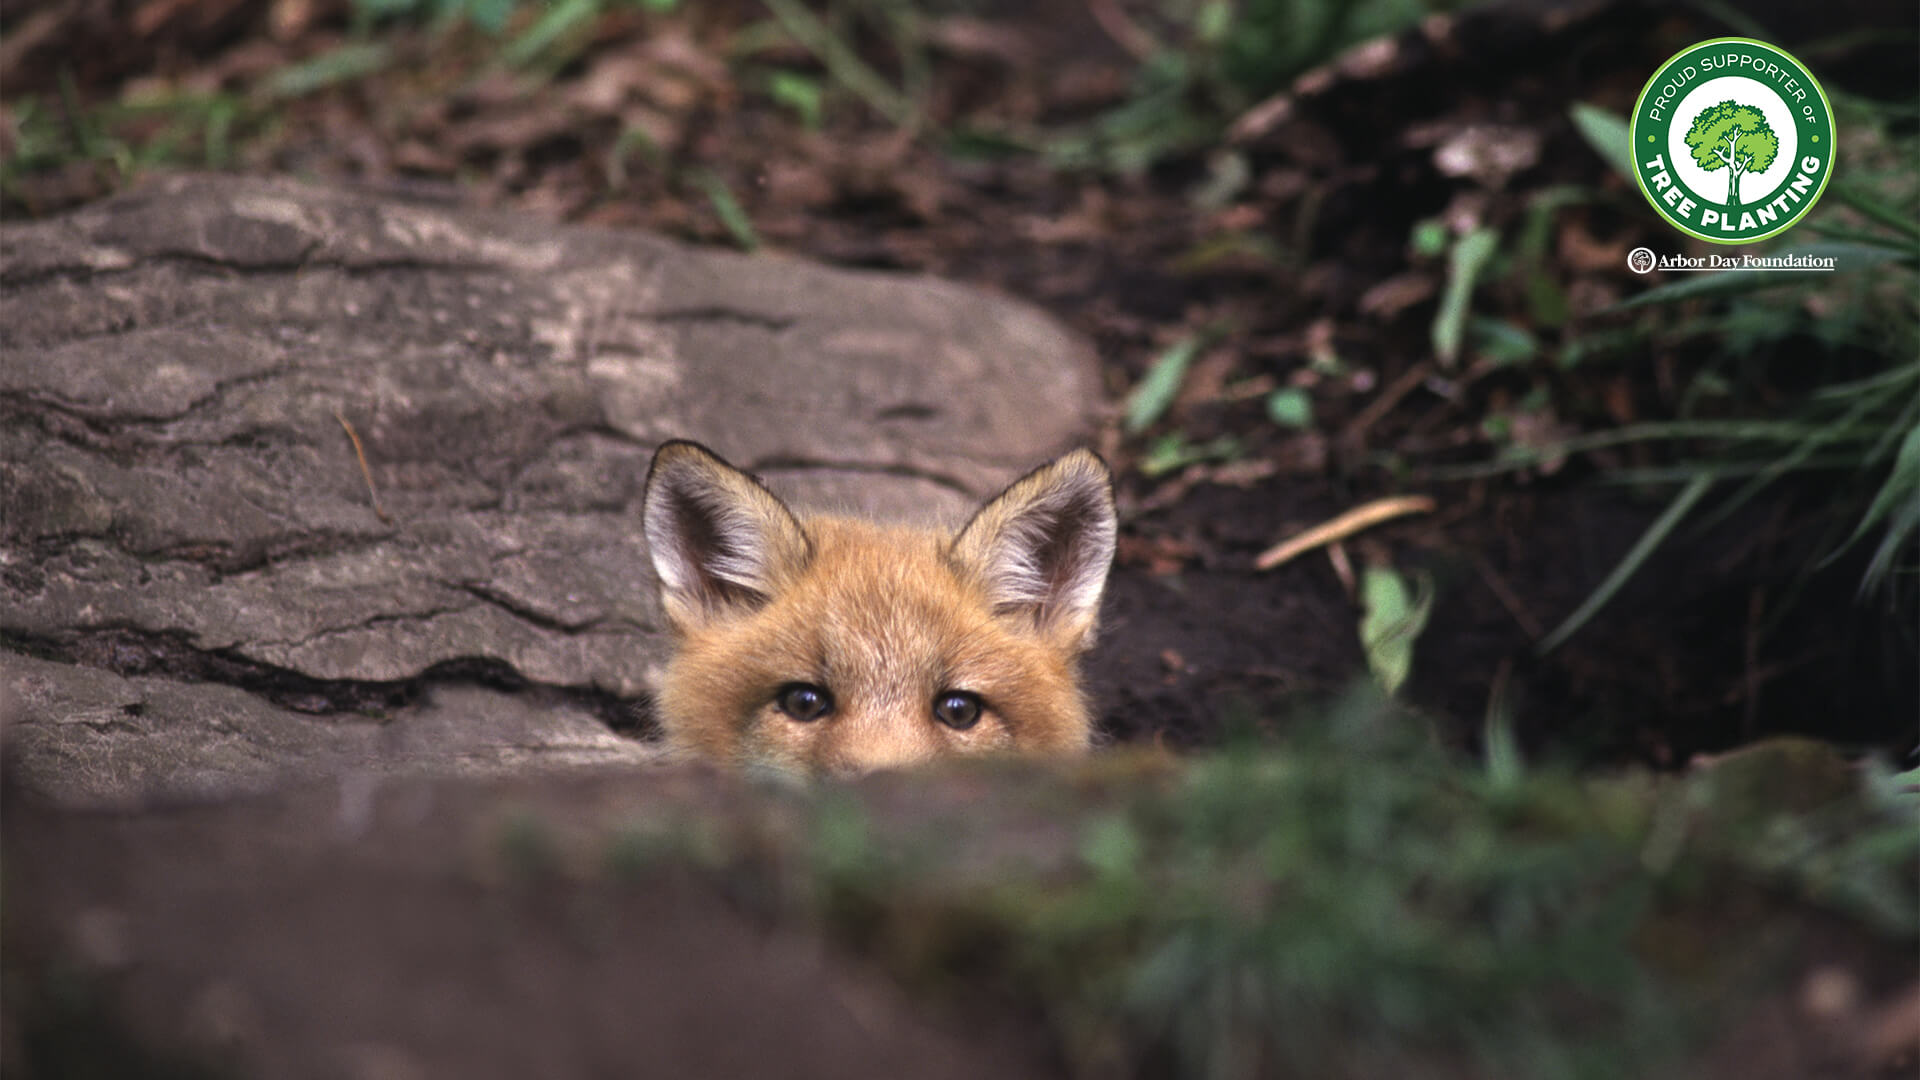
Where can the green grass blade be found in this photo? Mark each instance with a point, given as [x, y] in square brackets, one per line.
[489, 15]
[84, 135]
[559, 19]
[1161, 385]
[1899, 496]
[1171, 452]
[1909, 372]
[1853, 425]
[1630, 564]
[217, 139]
[330, 68]
[1504, 764]
[1519, 457]
[1875, 210]
[1901, 529]
[1470, 256]
[1906, 420]
[733, 217]
[1681, 472]
[1829, 230]
[843, 63]
[1897, 540]
[1607, 134]
[799, 93]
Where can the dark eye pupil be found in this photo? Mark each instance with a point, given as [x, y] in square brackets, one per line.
[803, 701]
[958, 711]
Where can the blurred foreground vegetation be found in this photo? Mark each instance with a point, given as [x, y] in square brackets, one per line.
[1353, 903]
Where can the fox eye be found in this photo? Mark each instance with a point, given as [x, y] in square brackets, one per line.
[957, 709]
[804, 701]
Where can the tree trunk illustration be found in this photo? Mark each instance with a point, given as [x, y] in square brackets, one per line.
[1733, 171]
[1733, 137]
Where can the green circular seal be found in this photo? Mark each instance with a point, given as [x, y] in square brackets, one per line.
[1732, 140]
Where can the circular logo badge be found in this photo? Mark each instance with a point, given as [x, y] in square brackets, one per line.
[1732, 140]
[1640, 260]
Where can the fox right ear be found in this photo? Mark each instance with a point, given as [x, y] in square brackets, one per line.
[720, 542]
[1043, 546]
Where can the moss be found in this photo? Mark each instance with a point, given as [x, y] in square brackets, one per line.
[1263, 910]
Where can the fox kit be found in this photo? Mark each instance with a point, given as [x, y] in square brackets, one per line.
[834, 646]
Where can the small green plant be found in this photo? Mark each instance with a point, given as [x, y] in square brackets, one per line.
[1155, 393]
[733, 217]
[1467, 260]
[1291, 407]
[829, 39]
[163, 129]
[1173, 452]
[1731, 440]
[1395, 613]
[491, 16]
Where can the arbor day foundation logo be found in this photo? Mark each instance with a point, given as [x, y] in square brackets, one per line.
[1732, 140]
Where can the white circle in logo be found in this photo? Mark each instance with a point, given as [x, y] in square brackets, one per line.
[1754, 186]
[1640, 260]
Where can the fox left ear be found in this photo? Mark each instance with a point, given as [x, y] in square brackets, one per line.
[721, 543]
[1043, 546]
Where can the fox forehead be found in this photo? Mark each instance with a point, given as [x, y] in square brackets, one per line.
[883, 605]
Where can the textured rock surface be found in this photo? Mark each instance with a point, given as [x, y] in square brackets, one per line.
[194, 584]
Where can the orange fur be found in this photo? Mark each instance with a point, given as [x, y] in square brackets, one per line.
[885, 620]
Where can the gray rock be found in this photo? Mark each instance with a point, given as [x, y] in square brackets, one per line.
[542, 925]
[84, 736]
[180, 499]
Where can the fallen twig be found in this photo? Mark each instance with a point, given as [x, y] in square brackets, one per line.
[366, 473]
[1395, 391]
[1123, 30]
[1509, 599]
[1353, 521]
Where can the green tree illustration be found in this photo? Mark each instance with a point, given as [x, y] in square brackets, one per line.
[1734, 137]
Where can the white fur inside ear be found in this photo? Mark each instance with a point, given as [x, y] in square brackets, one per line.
[1054, 553]
[696, 534]
[717, 539]
[1046, 544]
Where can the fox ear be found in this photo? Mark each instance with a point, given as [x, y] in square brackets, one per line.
[720, 542]
[1042, 547]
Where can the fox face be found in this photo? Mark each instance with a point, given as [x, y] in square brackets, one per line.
[835, 646]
